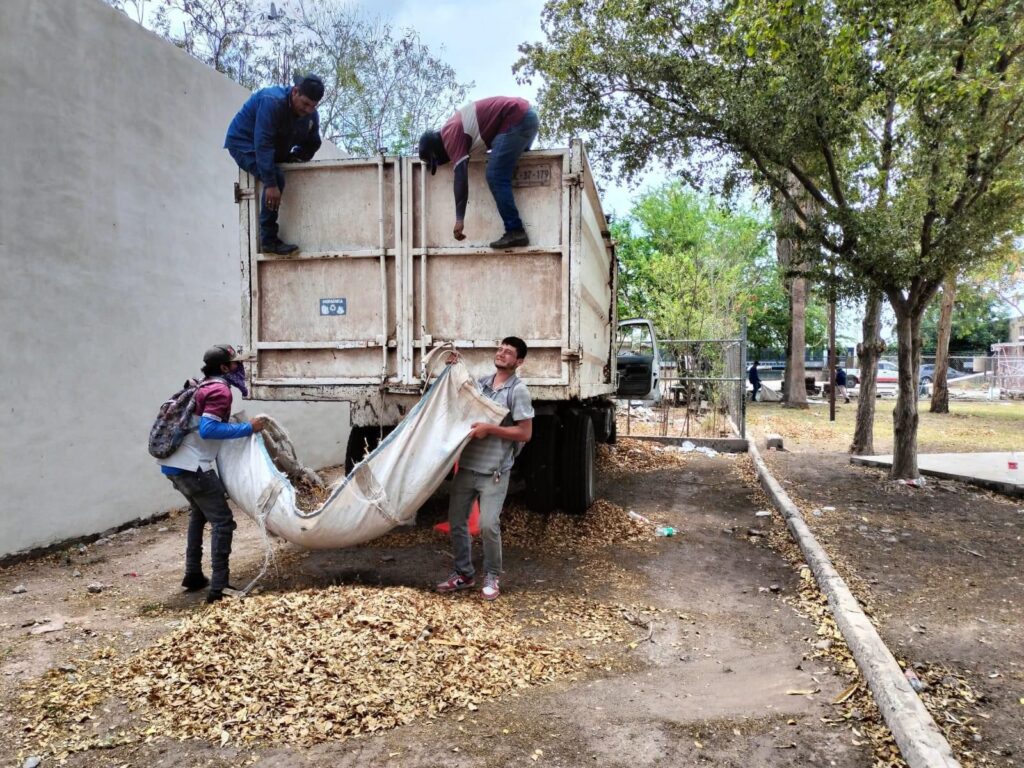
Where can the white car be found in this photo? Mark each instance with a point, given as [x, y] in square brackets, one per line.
[886, 378]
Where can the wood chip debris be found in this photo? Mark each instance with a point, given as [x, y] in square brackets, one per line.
[629, 456]
[319, 665]
[309, 496]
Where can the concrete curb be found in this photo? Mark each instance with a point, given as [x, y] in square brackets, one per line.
[920, 741]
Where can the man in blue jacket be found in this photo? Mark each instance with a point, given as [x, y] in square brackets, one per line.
[276, 125]
[191, 469]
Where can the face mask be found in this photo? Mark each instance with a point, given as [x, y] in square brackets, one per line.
[236, 378]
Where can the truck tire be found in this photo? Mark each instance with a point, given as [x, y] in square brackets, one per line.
[577, 471]
[361, 441]
[540, 465]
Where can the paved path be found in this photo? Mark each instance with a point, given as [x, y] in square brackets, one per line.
[990, 470]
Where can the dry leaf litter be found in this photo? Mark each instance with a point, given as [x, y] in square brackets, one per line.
[947, 695]
[322, 665]
[326, 664]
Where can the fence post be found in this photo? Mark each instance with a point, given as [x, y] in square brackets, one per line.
[741, 385]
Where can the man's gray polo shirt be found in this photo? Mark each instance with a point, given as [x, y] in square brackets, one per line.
[494, 454]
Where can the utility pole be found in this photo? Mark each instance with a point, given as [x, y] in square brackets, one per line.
[832, 349]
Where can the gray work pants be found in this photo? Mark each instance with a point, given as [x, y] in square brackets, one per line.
[466, 488]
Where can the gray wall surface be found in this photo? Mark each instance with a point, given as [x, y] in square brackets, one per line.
[118, 265]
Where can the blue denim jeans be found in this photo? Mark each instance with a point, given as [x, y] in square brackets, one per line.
[208, 501]
[466, 488]
[268, 218]
[501, 164]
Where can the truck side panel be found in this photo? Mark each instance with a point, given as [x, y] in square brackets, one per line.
[380, 280]
[597, 294]
[466, 292]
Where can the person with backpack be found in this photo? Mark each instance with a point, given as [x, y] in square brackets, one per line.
[191, 466]
[484, 468]
[755, 379]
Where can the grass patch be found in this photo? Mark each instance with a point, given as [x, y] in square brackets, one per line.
[969, 427]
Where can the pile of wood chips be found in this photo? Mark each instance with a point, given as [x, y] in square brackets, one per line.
[309, 497]
[600, 526]
[629, 456]
[321, 665]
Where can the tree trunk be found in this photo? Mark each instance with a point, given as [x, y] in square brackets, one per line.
[796, 391]
[940, 385]
[868, 352]
[788, 253]
[904, 415]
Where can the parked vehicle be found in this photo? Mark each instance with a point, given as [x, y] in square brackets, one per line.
[928, 374]
[638, 361]
[381, 281]
[886, 378]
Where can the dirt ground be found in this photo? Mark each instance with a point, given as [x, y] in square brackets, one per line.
[940, 569]
[728, 677]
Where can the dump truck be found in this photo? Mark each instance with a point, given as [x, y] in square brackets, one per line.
[380, 281]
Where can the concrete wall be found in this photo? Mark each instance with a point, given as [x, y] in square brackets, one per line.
[118, 265]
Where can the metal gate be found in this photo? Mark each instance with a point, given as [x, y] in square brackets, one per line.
[702, 390]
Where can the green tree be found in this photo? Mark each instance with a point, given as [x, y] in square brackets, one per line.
[980, 319]
[686, 262]
[901, 120]
[769, 316]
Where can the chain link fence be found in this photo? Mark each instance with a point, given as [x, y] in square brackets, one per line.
[701, 390]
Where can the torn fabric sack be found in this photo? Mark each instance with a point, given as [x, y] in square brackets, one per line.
[384, 490]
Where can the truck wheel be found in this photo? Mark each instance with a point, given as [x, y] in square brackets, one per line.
[577, 471]
[539, 465]
[361, 441]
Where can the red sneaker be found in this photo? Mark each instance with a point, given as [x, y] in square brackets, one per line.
[455, 582]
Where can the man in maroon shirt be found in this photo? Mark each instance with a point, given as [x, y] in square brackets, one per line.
[504, 125]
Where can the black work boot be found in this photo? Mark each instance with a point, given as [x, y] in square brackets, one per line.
[515, 238]
[218, 594]
[193, 582]
[278, 247]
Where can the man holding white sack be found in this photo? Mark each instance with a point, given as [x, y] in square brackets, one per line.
[484, 468]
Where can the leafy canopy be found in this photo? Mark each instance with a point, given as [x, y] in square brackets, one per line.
[900, 119]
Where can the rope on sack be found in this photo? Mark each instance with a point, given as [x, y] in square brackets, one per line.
[281, 450]
[432, 357]
[264, 504]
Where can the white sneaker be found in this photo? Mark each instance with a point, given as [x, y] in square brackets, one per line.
[491, 589]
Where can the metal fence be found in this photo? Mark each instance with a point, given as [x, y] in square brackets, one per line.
[702, 390]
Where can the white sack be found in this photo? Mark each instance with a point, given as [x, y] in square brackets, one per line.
[384, 490]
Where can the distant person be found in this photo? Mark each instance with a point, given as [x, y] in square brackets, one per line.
[504, 125]
[755, 379]
[276, 125]
[191, 469]
[841, 384]
[484, 468]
